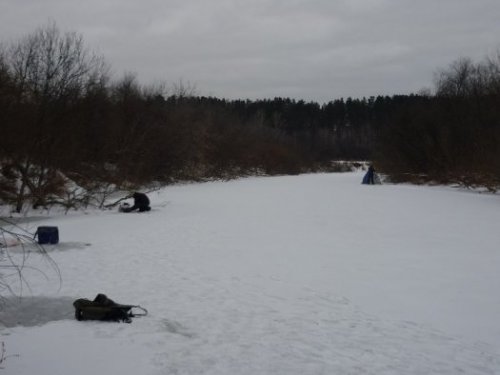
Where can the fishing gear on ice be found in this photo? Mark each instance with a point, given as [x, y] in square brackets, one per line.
[104, 308]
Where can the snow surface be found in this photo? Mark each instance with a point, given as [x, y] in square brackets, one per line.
[312, 274]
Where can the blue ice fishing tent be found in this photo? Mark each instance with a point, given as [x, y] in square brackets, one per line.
[371, 178]
[366, 179]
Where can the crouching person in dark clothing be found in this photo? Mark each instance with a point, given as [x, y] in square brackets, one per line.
[141, 203]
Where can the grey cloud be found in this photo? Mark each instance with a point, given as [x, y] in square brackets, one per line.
[316, 50]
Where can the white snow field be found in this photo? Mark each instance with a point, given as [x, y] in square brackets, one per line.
[311, 274]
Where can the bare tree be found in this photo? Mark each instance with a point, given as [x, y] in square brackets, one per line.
[457, 79]
[50, 71]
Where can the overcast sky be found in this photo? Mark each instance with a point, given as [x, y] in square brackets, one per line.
[313, 50]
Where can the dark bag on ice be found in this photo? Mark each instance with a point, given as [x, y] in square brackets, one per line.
[104, 308]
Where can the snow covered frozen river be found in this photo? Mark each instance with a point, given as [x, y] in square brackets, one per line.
[311, 274]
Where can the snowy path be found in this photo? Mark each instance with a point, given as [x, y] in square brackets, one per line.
[311, 274]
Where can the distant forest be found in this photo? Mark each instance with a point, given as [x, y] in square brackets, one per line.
[69, 133]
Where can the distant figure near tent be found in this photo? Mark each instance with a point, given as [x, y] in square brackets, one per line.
[141, 203]
[370, 177]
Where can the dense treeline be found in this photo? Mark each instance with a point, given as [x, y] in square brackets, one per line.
[65, 125]
[452, 136]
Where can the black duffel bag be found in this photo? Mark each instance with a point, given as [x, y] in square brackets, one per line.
[104, 308]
